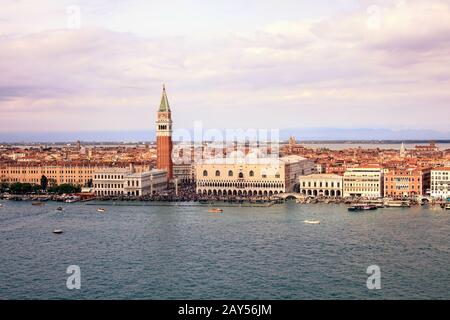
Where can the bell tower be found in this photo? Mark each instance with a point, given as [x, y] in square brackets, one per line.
[164, 136]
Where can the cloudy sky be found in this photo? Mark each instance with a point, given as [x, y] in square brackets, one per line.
[97, 65]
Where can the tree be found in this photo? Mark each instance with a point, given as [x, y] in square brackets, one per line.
[4, 186]
[21, 188]
[64, 188]
[44, 182]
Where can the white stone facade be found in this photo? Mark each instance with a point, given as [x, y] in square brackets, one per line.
[363, 182]
[328, 185]
[440, 183]
[125, 182]
[250, 176]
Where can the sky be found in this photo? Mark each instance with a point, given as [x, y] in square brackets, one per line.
[97, 65]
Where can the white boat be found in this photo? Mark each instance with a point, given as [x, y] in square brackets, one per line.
[447, 207]
[312, 221]
[398, 204]
[57, 231]
[101, 210]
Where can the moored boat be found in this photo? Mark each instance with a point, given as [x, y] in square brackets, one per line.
[38, 204]
[447, 207]
[72, 200]
[398, 204]
[215, 210]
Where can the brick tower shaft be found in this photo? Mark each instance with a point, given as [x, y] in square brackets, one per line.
[164, 136]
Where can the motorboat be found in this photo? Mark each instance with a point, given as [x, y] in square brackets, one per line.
[370, 207]
[362, 207]
[38, 204]
[59, 209]
[101, 210]
[447, 206]
[57, 231]
[354, 208]
[312, 221]
[215, 210]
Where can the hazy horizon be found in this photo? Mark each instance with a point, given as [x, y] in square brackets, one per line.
[306, 134]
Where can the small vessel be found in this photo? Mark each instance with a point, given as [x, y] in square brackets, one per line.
[101, 210]
[1, 205]
[312, 221]
[447, 207]
[57, 231]
[398, 204]
[362, 207]
[215, 210]
[38, 204]
[59, 209]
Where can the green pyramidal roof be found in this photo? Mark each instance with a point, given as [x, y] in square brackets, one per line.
[164, 106]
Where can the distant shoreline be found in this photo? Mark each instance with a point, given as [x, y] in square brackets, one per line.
[306, 142]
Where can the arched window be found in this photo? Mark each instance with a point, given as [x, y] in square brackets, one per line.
[230, 173]
[217, 173]
[277, 175]
[251, 173]
[205, 173]
[241, 175]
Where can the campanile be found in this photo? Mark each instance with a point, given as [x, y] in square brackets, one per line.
[164, 136]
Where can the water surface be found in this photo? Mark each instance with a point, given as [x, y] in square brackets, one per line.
[184, 252]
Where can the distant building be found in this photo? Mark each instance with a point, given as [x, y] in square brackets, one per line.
[329, 185]
[402, 150]
[185, 173]
[440, 183]
[121, 181]
[250, 175]
[363, 182]
[406, 182]
[432, 147]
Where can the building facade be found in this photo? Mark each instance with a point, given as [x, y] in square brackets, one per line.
[363, 182]
[185, 173]
[127, 182]
[76, 174]
[440, 183]
[56, 174]
[328, 185]
[164, 144]
[406, 182]
[250, 176]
